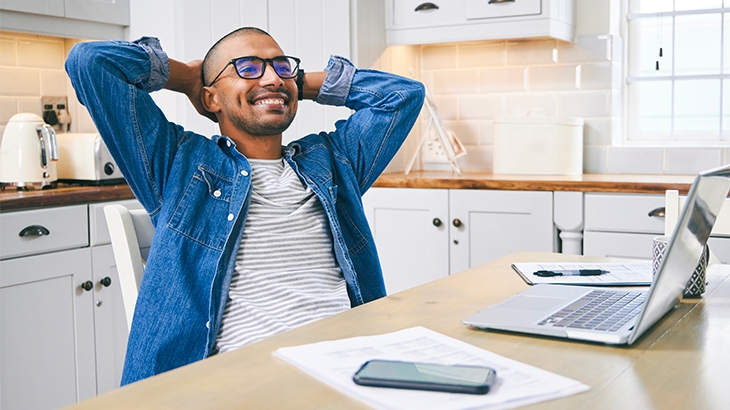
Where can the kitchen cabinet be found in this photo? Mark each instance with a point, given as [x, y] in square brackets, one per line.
[113, 12]
[620, 225]
[93, 19]
[425, 234]
[420, 22]
[63, 328]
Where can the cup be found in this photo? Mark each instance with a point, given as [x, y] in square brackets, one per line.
[698, 282]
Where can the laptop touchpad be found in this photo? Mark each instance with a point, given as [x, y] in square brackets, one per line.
[532, 303]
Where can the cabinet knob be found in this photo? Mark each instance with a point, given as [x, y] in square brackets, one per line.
[106, 282]
[34, 230]
[87, 286]
[437, 222]
[658, 212]
[457, 222]
[426, 6]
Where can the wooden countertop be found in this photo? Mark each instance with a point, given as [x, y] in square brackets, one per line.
[626, 183]
[13, 200]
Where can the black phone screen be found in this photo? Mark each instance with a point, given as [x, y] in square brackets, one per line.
[426, 376]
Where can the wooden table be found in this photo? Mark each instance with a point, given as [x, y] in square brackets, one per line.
[682, 362]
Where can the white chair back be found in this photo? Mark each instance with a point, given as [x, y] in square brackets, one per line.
[131, 233]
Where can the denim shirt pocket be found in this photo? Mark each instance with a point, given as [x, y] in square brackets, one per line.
[202, 214]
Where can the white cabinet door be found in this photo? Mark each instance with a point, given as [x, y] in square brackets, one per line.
[618, 245]
[110, 322]
[487, 225]
[409, 226]
[46, 331]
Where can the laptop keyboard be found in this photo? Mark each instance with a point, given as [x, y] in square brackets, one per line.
[605, 310]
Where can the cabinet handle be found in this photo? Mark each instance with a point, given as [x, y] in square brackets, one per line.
[457, 222]
[437, 222]
[34, 230]
[87, 286]
[658, 212]
[501, 1]
[106, 282]
[426, 6]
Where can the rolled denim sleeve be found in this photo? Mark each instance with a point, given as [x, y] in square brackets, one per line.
[159, 64]
[336, 85]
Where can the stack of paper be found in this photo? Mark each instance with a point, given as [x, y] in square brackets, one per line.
[334, 363]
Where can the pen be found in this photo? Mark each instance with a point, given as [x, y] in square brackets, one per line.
[571, 272]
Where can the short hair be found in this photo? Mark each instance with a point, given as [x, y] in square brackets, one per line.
[210, 56]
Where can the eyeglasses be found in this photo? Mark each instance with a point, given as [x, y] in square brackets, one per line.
[252, 67]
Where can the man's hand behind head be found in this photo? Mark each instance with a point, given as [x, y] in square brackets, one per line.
[188, 79]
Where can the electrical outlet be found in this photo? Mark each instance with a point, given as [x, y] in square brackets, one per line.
[55, 112]
[432, 152]
[54, 103]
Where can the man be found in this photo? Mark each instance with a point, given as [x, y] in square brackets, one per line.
[251, 238]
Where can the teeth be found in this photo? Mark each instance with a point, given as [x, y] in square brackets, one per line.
[270, 101]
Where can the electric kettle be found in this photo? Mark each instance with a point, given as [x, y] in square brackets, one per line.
[28, 153]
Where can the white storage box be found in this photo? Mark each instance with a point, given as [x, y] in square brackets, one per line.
[538, 145]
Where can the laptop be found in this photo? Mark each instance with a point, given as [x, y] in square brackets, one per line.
[560, 310]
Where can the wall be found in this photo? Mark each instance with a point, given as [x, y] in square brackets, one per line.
[474, 82]
[31, 66]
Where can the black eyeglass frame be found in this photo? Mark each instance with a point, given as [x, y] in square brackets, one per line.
[266, 62]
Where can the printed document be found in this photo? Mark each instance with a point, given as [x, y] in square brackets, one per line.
[334, 362]
[635, 273]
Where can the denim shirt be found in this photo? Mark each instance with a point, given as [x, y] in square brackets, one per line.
[197, 189]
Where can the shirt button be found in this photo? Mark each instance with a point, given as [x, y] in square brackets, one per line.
[207, 324]
[228, 143]
[230, 217]
[244, 172]
[217, 193]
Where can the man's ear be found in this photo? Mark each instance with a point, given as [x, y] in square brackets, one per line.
[209, 98]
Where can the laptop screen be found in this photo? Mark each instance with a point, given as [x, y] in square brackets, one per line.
[704, 201]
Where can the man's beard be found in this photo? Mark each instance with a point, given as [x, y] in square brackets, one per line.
[252, 124]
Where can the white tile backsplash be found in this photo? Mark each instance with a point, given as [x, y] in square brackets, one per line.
[439, 57]
[456, 82]
[635, 160]
[691, 161]
[19, 82]
[466, 131]
[8, 56]
[597, 132]
[552, 78]
[531, 52]
[40, 53]
[8, 108]
[600, 76]
[497, 80]
[446, 107]
[480, 107]
[587, 49]
[30, 105]
[585, 104]
[53, 83]
[478, 158]
[482, 55]
[531, 103]
[595, 160]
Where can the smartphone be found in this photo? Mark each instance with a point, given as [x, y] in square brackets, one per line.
[426, 376]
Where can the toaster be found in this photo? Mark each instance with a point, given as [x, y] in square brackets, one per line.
[84, 158]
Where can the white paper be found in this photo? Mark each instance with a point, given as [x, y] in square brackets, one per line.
[627, 274]
[334, 363]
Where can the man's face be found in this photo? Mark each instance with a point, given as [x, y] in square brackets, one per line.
[261, 107]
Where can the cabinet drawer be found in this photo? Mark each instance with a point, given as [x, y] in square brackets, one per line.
[46, 230]
[482, 9]
[618, 245]
[98, 230]
[405, 14]
[623, 213]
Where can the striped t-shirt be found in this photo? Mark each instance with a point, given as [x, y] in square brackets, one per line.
[286, 273]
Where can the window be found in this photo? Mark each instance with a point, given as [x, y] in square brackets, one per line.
[678, 72]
